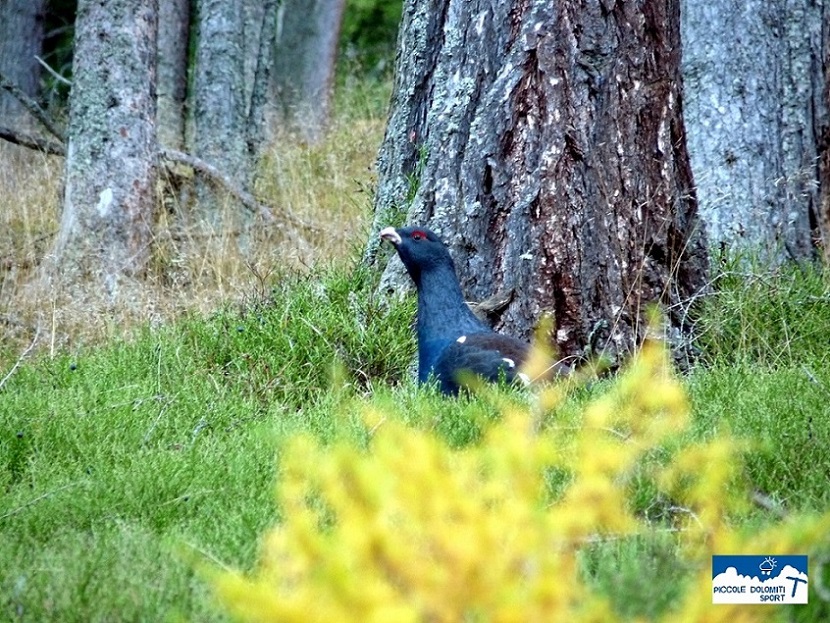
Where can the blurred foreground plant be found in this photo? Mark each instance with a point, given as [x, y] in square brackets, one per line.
[411, 529]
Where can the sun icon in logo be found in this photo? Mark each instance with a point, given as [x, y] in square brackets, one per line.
[767, 565]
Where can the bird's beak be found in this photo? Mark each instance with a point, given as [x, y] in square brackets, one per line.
[391, 235]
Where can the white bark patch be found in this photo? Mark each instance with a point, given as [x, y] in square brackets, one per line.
[480, 23]
[105, 200]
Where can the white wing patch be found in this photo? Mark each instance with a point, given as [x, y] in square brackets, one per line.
[525, 378]
[462, 339]
[509, 361]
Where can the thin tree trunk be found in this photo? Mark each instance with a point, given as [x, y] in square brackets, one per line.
[174, 29]
[105, 230]
[262, 122]
[545, 142]
[253, 20]
[824, 158]
[217, 131]
[755, 105]
[21, 40]
[307, 37]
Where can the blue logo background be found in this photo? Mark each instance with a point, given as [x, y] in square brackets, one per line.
[760, 567]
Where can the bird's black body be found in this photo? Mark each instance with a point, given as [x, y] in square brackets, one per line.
[452, 341]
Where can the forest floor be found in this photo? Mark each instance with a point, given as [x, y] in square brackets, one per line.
[132, 455]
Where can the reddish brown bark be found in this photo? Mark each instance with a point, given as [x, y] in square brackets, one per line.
[553, 160]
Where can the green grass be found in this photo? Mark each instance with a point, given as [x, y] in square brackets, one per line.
[766, 376]
[768, 320]
[112, 459]
[645, 567]
[121, 463]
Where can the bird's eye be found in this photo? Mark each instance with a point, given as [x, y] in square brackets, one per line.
[418, 235]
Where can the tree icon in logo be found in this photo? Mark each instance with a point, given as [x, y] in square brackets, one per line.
[767, 565]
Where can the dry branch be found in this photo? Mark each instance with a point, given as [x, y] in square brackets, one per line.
[32, 142]
[217, 177]
[20, 359]
[54, 73]
[32, 106]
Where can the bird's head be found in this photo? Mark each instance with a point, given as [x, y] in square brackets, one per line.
[420, 249]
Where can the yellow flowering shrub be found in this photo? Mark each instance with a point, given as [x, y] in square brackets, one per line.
[410, 529]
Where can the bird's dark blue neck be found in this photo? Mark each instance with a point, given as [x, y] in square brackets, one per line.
[443, 316]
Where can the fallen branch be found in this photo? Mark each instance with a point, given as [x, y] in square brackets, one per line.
[767, 503]
[814, 380]
[220, 179]
[21, 358]
[32, 142]
[32, 106]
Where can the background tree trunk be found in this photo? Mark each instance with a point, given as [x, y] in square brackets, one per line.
[21, 39]
[174, 31]
[217, 129]
[824, 163]
[262, 122]
[105, 231]
[755, 105]
[547, 147]
[253, 19]
[306, 50]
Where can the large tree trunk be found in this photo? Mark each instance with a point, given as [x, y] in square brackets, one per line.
[174, 30]
[105, 231]
[21, 40]
[545, 142]
[755, 105]
[307, 37]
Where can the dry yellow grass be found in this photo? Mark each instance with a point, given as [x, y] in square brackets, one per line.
[321, 194]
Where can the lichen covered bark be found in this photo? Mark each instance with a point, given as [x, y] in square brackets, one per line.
[105, 231]
[552, 159]
[755, 107]
[21, 39]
